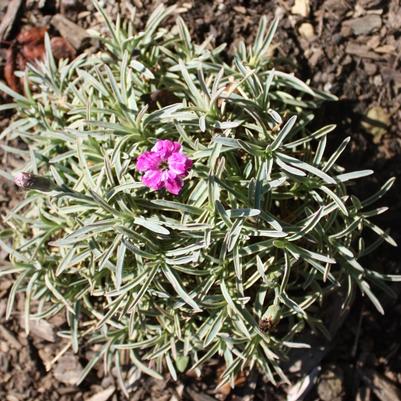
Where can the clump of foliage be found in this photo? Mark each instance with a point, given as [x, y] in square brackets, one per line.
[237, 263]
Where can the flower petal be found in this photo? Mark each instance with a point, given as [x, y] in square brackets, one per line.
[173, 183]
[148, 161]
[179, 164]
[188, 164]
[153, 179]
[165, 148]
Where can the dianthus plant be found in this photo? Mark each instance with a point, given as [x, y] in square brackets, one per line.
[178, 207]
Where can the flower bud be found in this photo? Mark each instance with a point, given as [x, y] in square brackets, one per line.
[270, 318]
[30, 181]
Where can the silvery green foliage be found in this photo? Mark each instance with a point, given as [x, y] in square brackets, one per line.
[236, 265]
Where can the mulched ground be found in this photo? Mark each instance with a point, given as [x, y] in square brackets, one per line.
[351, 48]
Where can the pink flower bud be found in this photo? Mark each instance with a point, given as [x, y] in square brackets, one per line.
[30, 181]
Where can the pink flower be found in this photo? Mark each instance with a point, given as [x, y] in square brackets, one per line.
[164, 166]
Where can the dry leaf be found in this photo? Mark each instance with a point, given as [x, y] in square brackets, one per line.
[28, 47]
[32, 36]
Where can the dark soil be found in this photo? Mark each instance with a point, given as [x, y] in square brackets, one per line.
[351, 48]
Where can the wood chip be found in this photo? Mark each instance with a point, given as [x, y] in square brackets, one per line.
[3, 307]
[331, 385]
[62, 49]
[362, 51]
[364, 25]
[373, 42]
[103, 395]
[240, 9]
[68, 369]
[393, 75]
[199, 396]
[66, 5]
[71, 32]
[370, 68]
[306, 30]
[301, 7]
[394, 16]
[9, 18]
[386, 49]
[9, 337]
[39, 328]
[315, 56]
[383, 388]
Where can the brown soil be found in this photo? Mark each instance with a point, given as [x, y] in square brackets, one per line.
[351, 48]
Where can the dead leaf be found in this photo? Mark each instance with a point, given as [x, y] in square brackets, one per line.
[32, 36]
[28, 47]
[33, 52]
